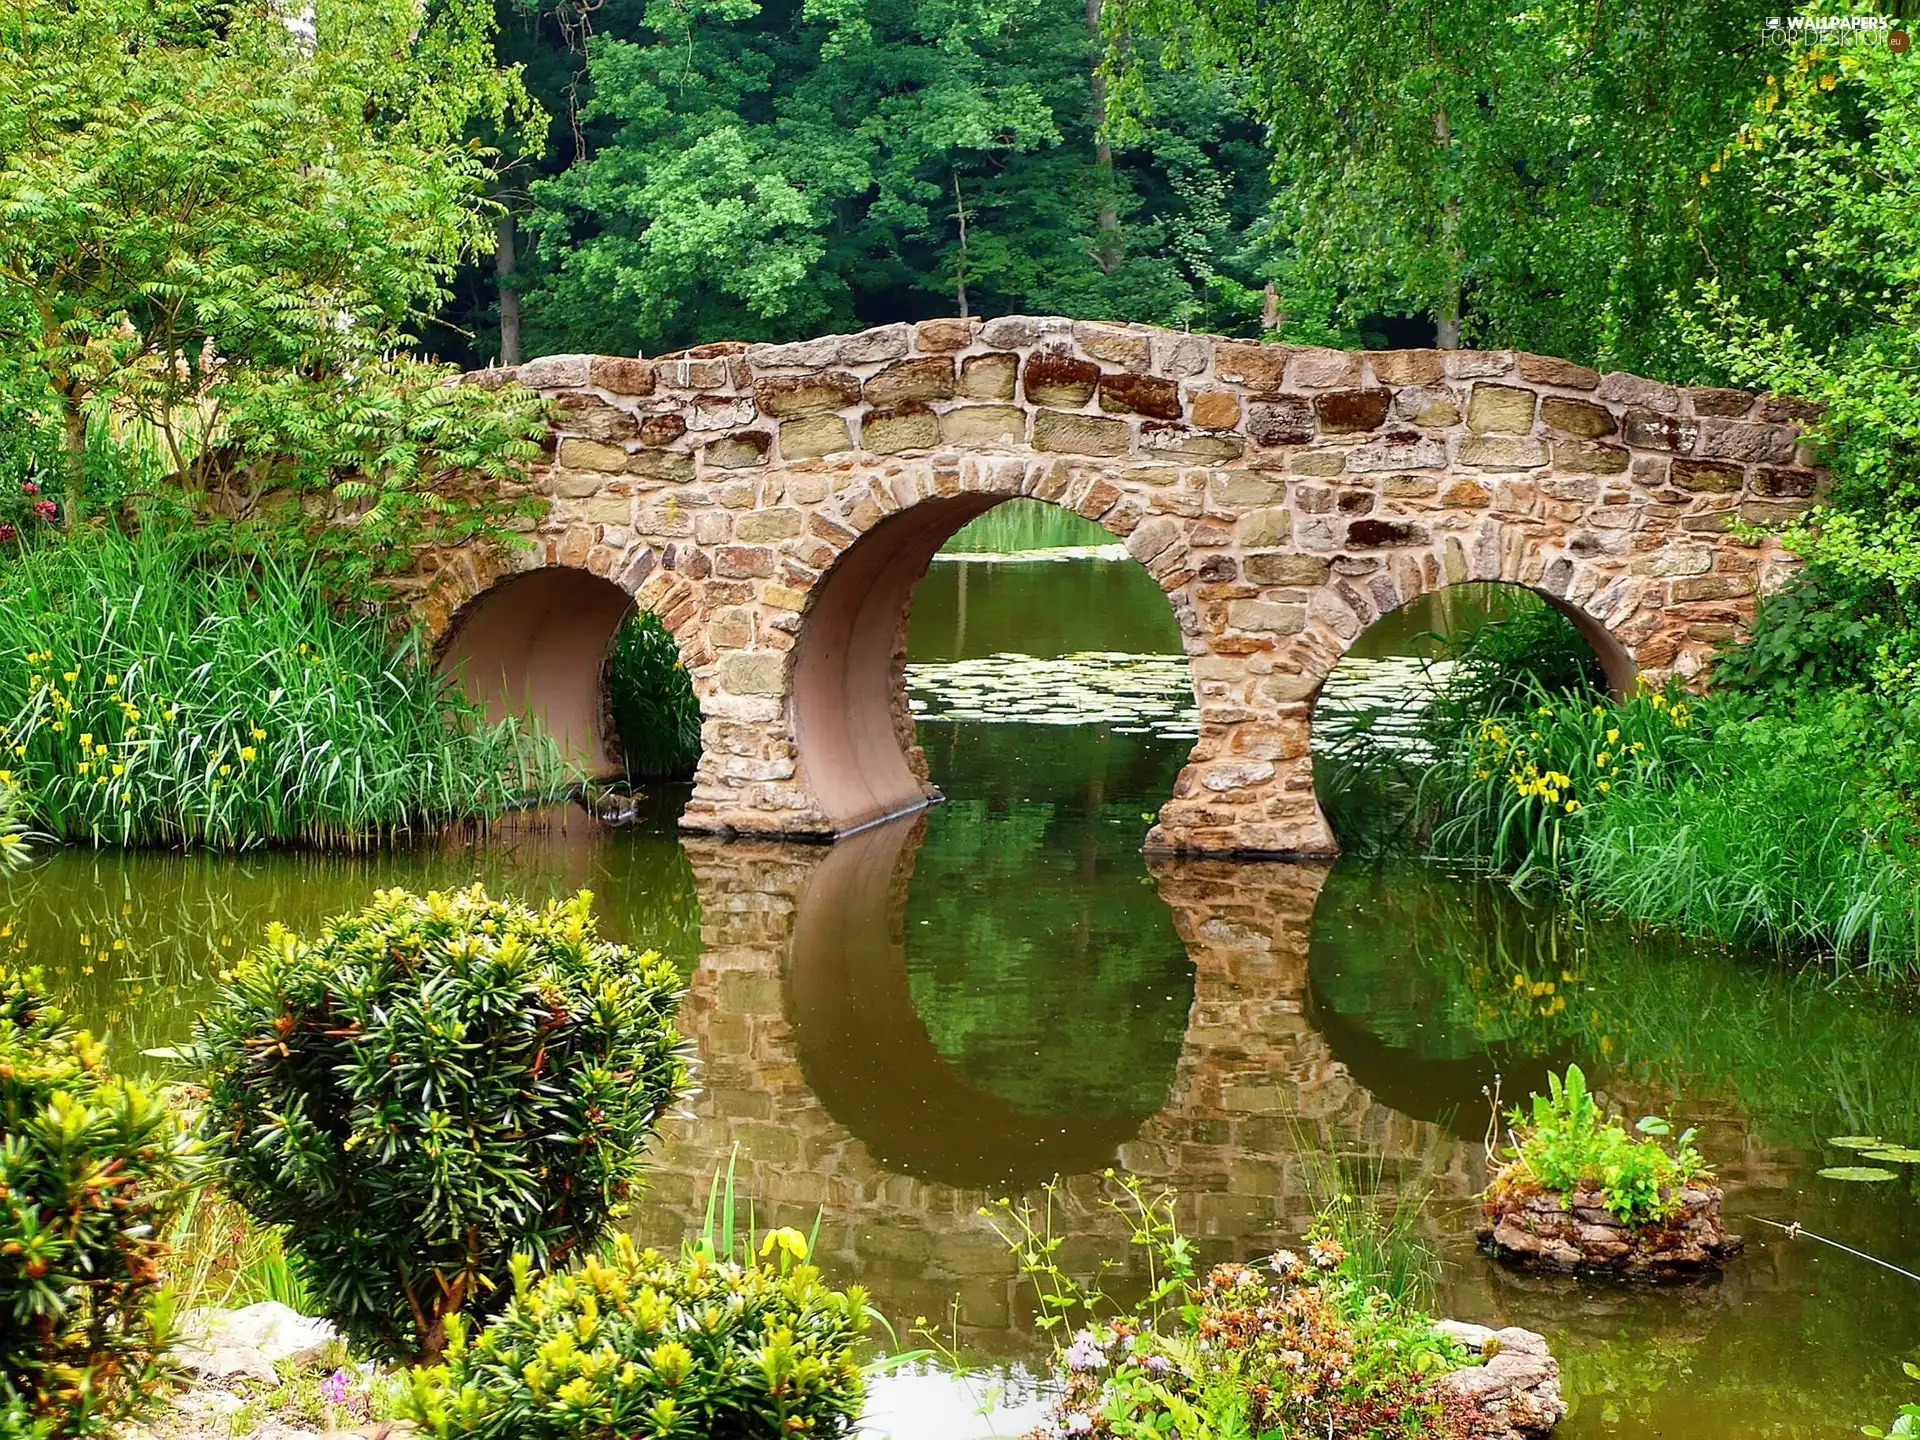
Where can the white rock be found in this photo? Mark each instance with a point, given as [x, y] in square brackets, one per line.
[227, 1344]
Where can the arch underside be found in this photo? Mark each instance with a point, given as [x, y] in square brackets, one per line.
[776, 505]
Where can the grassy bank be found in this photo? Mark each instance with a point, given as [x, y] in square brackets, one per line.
[1781, 821]
[152, 693]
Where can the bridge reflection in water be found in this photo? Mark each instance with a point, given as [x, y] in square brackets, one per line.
[817, 1065]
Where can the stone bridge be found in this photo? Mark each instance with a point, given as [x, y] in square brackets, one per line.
[775, 505]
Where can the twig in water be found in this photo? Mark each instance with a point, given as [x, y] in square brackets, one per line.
[1795, 1230]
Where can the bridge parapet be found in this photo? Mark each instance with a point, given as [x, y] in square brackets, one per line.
[775, 504]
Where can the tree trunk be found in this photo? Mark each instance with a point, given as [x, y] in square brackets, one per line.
[73, 446]
[960, 265]
[1270, 309]
[1446, 320]
[505, 262]
[1109, 215]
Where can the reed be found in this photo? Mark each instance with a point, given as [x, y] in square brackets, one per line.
[153, 693]
[1022, 524]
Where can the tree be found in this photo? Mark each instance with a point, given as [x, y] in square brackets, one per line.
[1524, 176]
[218, 229]
[744, 170]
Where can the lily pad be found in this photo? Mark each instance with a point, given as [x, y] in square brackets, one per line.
[1895, 1155]
[1857, 1142]
[1866, 1173]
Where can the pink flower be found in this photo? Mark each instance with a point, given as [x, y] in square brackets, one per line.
[44, 509]
[7, 532]
[29, 487]
[333, 1389]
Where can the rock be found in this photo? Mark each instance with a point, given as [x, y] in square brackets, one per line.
[1576, 1232]
[1515, 1394]
[252, 1342]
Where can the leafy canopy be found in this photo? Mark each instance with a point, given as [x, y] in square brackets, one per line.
[218, 227]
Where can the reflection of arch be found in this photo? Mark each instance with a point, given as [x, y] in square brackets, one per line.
[537, 644]
[867, 1054]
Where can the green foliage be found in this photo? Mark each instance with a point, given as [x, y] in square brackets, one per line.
[218, 1257]
[1314, 1347]
[209, 306]
[636, 1344]
[91, 1168]
[1565, 1142]
[430, 1086]
[1019, 525]
[1819, 633]
[1531, 173]
[1907, 1422]
[655, 712]
[15, 846]
[749, 171]
[1498, 665]
[155, 693]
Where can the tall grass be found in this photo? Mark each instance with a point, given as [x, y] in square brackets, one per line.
[655, 712]
[1022, 524]
[152, 693]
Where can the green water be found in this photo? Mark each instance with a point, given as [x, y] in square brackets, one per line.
[898, 1028]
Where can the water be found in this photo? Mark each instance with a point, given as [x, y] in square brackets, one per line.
[898, 1029]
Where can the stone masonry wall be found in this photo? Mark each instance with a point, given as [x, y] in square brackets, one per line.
[1283, 497]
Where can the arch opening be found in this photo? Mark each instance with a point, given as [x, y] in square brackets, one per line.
[854, 729]
[536, 644]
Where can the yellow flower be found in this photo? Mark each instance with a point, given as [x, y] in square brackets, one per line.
[1572, 805]
[113, 679]
[58, 726]
[119, 769]
[247, 753]
[1604, 787]
[82, 768]
[258, 733]
[788, 1241]
[86, 737]
[226, 769]
[71, 676]
[1602, 758]
[1613, 735]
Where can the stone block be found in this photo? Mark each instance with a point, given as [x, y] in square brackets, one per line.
[869, 347]
[1775, 483]
[785, 396]
[1478, 364]
[1319, 368]
[1114, 344]
[1345, 412]
[1650, 430]
[1741, 440]
[929, 377]
[1265, 527]
[621, 375]
[671, 465]
[1162, 438]
[1620, 388]
[1258, 367]
[983, 426]
[1408, 367]
[592, 455]
[1016, 332]
[1053, 377]
[1063, 433]
[1130, 394]
[1400, 450]
[1711, 475]
[1589, 457]
[662, 429]
[1714, 400]
[1281, 420]
[1577, 417]
[760, 527]
[1711, 587]
[754, 672]
[1434, 406]
[594, 418]
[743, 562]
[1551, 370]
[1374, 533]
[814, 436]
[1284, 569]
[1500, 409]
[1501, 452]
[1245, 489]
[797, 355]
[1177, 356]
[942, 337]
[989, 377]
[557, 372]
[739, 450]
[1214, 409]
[891, 429]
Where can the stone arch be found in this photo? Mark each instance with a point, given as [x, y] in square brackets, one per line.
[1282, 496]
[853, 730]
[535, 641]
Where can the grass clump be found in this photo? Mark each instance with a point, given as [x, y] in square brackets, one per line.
[1565, 1143]
[91, 1169]
[430, 1086]
[655, 712]
[155, 693]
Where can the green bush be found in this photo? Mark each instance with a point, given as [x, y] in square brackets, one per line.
[655, 712]
[428, 1087]
[1498, 664]
[635, 1344]
[1565, 1142]
[91, 1170]
[153, 693]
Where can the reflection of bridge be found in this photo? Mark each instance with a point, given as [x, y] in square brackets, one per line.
[817, 1067]
[776, 504]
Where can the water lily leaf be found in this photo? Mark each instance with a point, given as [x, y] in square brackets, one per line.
[1857, 1142]
[1895, 1155]
[1864, 1173]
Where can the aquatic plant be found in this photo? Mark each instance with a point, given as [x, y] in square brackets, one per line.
[153, 693]
[1565, 1142]
[1907, 1422]
[431, 1086]
[91, 1169]
[655, 712]
[1308, 1345]
[15, 843]
[632, 1342]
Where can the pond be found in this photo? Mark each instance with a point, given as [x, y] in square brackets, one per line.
[898, 1029]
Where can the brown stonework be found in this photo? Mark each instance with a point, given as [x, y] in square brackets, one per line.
[1619, 501]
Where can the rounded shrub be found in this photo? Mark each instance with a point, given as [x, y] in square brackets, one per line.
[428, 1087]
[92, 1168]
[637, 1344]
